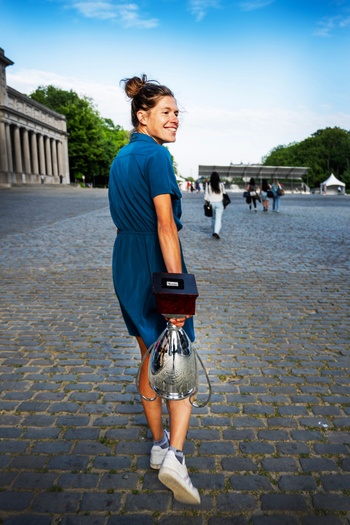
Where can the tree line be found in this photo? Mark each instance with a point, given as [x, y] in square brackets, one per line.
[327, 151]
[94, 141]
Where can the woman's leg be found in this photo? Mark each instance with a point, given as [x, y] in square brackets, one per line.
[213, 219]
[179, 410]
[277, 203]
[179, 416]
[152, 409]
[219, 209]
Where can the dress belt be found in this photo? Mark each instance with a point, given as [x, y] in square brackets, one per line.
[134, 232]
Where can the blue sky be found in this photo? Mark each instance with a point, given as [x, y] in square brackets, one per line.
[248, 75]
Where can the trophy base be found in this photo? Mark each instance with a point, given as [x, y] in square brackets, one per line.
[174, 396]
[174, 316]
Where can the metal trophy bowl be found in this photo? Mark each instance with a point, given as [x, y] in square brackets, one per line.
[172, 368]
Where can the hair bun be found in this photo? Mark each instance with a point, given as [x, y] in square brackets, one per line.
[134, 85]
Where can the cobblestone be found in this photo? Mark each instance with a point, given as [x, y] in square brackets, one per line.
[272, 326]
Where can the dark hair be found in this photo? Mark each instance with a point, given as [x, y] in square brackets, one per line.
[264, 185]
[215, 182]
[144, 94]
[252, 182]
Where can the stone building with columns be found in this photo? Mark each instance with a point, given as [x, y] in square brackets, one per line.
[33, 138]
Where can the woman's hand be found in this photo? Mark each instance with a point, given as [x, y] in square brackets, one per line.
[178, 321]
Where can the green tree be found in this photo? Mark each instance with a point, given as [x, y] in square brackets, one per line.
[93, 141]
[279, 156]
[335, 143]
[114, 137]
[326, 151]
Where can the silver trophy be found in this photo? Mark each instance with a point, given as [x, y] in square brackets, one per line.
[172, 367]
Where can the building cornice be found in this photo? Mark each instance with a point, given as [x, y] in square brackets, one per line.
[23, 117]
[34, 103]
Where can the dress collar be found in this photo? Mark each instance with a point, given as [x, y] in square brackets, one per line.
[136, 136]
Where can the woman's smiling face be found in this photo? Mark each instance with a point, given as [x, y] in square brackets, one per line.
[161, 122]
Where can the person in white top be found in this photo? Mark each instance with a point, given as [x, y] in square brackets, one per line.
[214, 191]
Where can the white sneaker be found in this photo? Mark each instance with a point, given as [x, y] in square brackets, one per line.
[158, 454]
[174, 475]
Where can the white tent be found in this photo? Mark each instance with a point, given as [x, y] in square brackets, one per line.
[332, 184]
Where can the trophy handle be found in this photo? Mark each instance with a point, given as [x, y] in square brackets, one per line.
[138, 377]
[193, 403]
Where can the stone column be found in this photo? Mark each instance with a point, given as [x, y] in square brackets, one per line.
[54, 158]
[61, 170]
[48, 156]
[65, 160]
[4, 164]
[18, 152]
[42, 155]
[35, 164]
[9, 148]
[26, 152]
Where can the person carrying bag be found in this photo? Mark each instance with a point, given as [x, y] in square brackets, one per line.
[253, 194]
[278, 191]
[214, 192]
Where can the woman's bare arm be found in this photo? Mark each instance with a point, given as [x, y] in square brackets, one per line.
[169, 240]
[167, 234]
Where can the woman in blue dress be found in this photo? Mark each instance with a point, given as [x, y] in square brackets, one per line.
[145, 205]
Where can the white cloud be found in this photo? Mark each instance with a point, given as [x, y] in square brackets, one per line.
[344, 22]
[327, 26]
[199, 8]
[101, 10]
[252, 5]
[126, 14]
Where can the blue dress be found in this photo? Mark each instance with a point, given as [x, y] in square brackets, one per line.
[141, 171]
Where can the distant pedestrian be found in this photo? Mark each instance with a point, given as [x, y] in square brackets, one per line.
[253, 194]
[277, 192]
[264, 188]
[61, 179]
[214, 192]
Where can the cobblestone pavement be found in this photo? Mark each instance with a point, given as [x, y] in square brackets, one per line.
[272, 324]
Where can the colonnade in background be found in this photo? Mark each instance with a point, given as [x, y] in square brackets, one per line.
[29, 155]
[33, 138]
